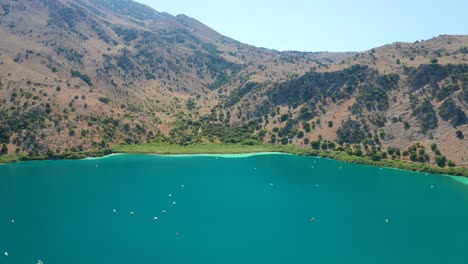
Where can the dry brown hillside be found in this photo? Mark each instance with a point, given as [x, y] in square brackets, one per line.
[402, 94]
[85, 74]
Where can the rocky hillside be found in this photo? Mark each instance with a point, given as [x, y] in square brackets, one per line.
[391, 97]
[85, 74]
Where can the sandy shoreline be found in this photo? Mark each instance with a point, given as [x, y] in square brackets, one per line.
[104, 157]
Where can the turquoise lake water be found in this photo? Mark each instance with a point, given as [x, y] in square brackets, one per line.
[229, 209]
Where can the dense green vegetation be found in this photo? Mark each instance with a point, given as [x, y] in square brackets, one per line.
[315, 88]
[70, 54]
[432, 74]
[352, 131]
[85, 78]
[449, 111]
[239, 93]
[10, 158]
[426, 116]
[186, 132]
[128, 34]
[15, 121]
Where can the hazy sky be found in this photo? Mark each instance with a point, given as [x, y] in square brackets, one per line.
[327, 25]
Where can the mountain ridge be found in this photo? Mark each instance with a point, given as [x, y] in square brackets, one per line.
[92, 73]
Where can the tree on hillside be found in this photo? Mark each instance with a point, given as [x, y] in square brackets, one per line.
[4, 150]
[315, 145]
[441, 161]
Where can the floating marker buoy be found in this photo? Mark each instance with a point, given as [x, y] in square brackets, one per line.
[312, 220]
[173, 203]
[182, 186]
[163, 211]
[432, 186]
[132, 213]
[12, 221]
[114, 210]
[386, 221]
[170, 195]
[155, 218]
[6, 254]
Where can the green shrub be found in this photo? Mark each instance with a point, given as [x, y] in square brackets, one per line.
[315, 145]
[4, 150]
[85, 78]
[104, 100]
[441, 161]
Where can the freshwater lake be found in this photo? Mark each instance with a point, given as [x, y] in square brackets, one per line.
[269, 208]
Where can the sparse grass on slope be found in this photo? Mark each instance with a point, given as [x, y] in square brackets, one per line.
[9, 158]
[161, 148]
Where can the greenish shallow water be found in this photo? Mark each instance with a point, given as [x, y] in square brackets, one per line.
[254, 209]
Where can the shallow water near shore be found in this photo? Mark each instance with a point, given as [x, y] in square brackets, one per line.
[267, 208]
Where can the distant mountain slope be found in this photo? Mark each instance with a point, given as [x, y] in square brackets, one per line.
[399, 94]
[83, 74]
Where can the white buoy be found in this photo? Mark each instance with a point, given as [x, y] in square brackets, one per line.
[173, 203]
[182, 186]
[132, 213]
[12, 221]
[163, 211]
[316, 185]
[170, 195]
[6, 254]
[432, 186]
[386, 221]
[155, 218]
[114, 210]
